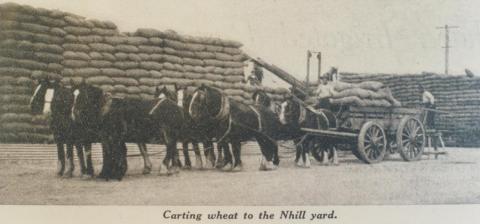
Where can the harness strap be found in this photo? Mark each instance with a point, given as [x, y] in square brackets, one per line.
[229, 128]
[156, 106]
[259, 118]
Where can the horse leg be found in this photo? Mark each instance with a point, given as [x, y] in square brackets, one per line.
[81, 158]
[209, 154]
[237, 150]
[119, 153]
[268, 149]
[188, 162]
[165, 163]
[70, 165]
[198, 156]
[298, 155]
[61, 159]
[335, 156]
[325, 155]
[123, 160]
[175, 158]
[88, 156]
[220, 161]
[147, 164]
[306, 153]
[228, 162]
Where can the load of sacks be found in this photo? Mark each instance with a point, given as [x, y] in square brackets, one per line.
[364, 94]
[459, 95]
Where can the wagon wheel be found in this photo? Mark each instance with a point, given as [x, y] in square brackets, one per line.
[410, 138]
[372, 143]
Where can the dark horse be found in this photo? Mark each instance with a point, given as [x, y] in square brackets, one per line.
[88, 123]
[226, 120]
[54, 101]
[190, 131]
[294, 116]
[118, 121]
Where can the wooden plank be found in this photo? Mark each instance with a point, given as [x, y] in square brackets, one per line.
[329, 133]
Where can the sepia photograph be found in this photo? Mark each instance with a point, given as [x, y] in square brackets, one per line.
[240, 103]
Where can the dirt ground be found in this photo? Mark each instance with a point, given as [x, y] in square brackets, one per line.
[451, 179]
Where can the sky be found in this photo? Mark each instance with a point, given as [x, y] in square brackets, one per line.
[365, 36]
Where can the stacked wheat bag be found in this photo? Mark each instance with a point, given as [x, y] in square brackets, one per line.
[458, 95]
[30, 47]
[364, 94]
[39, 43]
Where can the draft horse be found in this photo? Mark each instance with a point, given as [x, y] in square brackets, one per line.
[226, 120]
[190, 131]
[55, 101]
[117, 121]
[294, 116]
[85, 115]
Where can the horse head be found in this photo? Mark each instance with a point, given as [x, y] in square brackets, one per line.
[163, 92]
[259, 97]
[289, 111]
[42, 98]
[207, 103]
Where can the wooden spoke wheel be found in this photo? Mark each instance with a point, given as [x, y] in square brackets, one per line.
[410, 138]
[372, 142]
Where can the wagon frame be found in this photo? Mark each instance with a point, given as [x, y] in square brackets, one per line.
[372, 131]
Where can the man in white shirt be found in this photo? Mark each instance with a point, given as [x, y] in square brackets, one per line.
[428, 100]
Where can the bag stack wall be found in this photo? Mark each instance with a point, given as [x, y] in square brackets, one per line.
[457, 95]
[30, 47]
[39, 43]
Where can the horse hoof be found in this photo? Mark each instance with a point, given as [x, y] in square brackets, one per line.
[68, 175]
[219, 165]
[228, 167]
[237, 168]
[146, 171]
[299, 164]
[198, 164]
[86, 177]
[269, 166]
[187, 167]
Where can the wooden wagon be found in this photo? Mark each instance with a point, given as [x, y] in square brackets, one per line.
[372, 131]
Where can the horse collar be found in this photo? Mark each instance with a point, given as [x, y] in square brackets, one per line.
[224, 109]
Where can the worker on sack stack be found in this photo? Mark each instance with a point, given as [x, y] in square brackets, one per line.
[256, 77]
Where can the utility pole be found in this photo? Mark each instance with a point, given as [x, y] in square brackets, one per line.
[447, 43]
[319, 57]
[309, 55]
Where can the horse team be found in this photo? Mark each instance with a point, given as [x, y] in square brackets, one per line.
[84, 114]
